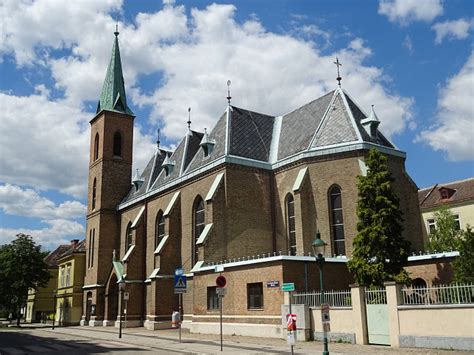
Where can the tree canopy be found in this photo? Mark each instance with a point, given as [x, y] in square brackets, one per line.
[464, 264]
[446, 235]
[22, 267]
[379, 251]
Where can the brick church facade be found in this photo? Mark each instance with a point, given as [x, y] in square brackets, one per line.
[250, 195]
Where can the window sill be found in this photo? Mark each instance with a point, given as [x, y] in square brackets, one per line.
[255, 309]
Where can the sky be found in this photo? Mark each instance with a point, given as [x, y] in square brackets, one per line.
[413, 60]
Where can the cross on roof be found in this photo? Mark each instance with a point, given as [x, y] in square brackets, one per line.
[338, 75]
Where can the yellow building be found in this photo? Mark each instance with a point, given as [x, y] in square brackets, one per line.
[69, 284]
[457, 196]
[40, 303]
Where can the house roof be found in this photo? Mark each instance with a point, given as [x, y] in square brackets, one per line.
[462, 191]
[329, 121]
[52, 258]
[79, 247]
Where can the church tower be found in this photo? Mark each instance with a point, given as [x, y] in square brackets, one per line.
[110, 170]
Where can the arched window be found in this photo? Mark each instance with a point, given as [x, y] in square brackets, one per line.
[117, 144]
[94, 194]
[128, 237]
[290, 213]
[96, 147]
[159, 228]
[337, 220]
[198, 214]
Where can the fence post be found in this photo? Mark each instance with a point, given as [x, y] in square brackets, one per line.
[393, 290]
[359, 314]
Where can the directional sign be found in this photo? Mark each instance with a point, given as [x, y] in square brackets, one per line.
[288, 287]
[180, 284]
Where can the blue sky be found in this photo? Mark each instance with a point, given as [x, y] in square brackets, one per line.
[412, 59]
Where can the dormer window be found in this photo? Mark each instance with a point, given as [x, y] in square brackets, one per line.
[168, 165]
[446, 193]
[207, 144]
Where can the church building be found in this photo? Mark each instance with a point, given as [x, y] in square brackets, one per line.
[248, 195]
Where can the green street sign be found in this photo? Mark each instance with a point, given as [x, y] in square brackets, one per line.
[288, 287]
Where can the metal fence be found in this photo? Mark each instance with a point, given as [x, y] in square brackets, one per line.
[375, 296]
[440, 294]
[333, 298]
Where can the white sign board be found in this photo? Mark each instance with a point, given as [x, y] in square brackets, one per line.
[126, 296]
[219, 268]
[221, 291]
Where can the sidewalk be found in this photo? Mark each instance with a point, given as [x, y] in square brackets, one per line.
[210, 344]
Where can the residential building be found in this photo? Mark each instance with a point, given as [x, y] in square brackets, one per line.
[457, 196]
[69, 294]
[40, 302]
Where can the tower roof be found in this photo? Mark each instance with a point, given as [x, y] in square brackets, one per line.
[112, 96]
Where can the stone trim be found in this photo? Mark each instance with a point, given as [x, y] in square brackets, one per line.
[456, 343]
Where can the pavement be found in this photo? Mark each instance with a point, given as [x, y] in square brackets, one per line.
[85, 340]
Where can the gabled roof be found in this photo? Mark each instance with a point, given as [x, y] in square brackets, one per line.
[79, 247]
[52, 258]
[430, 197]
[112, 96]
[332, 120]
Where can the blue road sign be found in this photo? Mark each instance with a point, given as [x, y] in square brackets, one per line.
[180, 284]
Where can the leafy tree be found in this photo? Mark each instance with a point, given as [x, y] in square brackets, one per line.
[22, 267]
[379, 251]
[464, 264]
[446, 235]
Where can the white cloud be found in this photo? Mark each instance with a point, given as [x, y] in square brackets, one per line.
[58, 231]
[28, 203]
[408, 44]
[458, 29]
[405, 11]
[454, 127]
[195, 55]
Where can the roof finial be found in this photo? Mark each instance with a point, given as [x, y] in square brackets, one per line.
[228, 92]
[338, 75]
[189, 119]
[116, 33]
[158, 139]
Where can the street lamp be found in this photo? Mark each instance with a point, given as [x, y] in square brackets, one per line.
[121, 289]
[319, 248]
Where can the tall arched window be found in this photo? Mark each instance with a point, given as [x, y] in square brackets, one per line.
[94, 194]
[128, 237]
[159, 228]
[117, 144]
[290, 213]
[337, 220]
[198, 215]
[96, 147]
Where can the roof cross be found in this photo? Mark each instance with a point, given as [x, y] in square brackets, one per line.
[158, 138]
[338, 64]
[116, 33]
[228, 92]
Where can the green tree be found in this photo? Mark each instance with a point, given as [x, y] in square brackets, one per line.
[379, 251]
[22, 267]
[446, 235]
[464, 264]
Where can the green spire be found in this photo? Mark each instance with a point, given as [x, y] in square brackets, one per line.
[112, 96]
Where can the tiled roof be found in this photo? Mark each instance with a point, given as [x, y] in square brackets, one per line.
[52, 258]
[250, 134]
[330, 120]
[299, 126]
[79, 247]
[430, 197]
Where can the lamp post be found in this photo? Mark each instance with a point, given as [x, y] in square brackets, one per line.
[319, 248]
[121, 289]
[54, 306]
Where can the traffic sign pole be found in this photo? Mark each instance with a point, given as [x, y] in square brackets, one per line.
[180, 314]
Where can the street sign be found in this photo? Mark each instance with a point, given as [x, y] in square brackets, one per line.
[273, 283]
[126, 296]
[325, 313]
[326, 327]
[291, 338]
[221, 281]
[288, 287]
[180, 284]
[221, 291]
[179, 271]
[291, 322]
[219, 268]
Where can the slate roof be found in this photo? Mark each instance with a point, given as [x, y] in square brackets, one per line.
[430, 197]
[298, 127]
[79, 247]
[330, 120]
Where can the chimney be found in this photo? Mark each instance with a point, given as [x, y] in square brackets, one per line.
[74, 242]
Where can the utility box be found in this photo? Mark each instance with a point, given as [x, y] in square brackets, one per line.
[303, 324]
